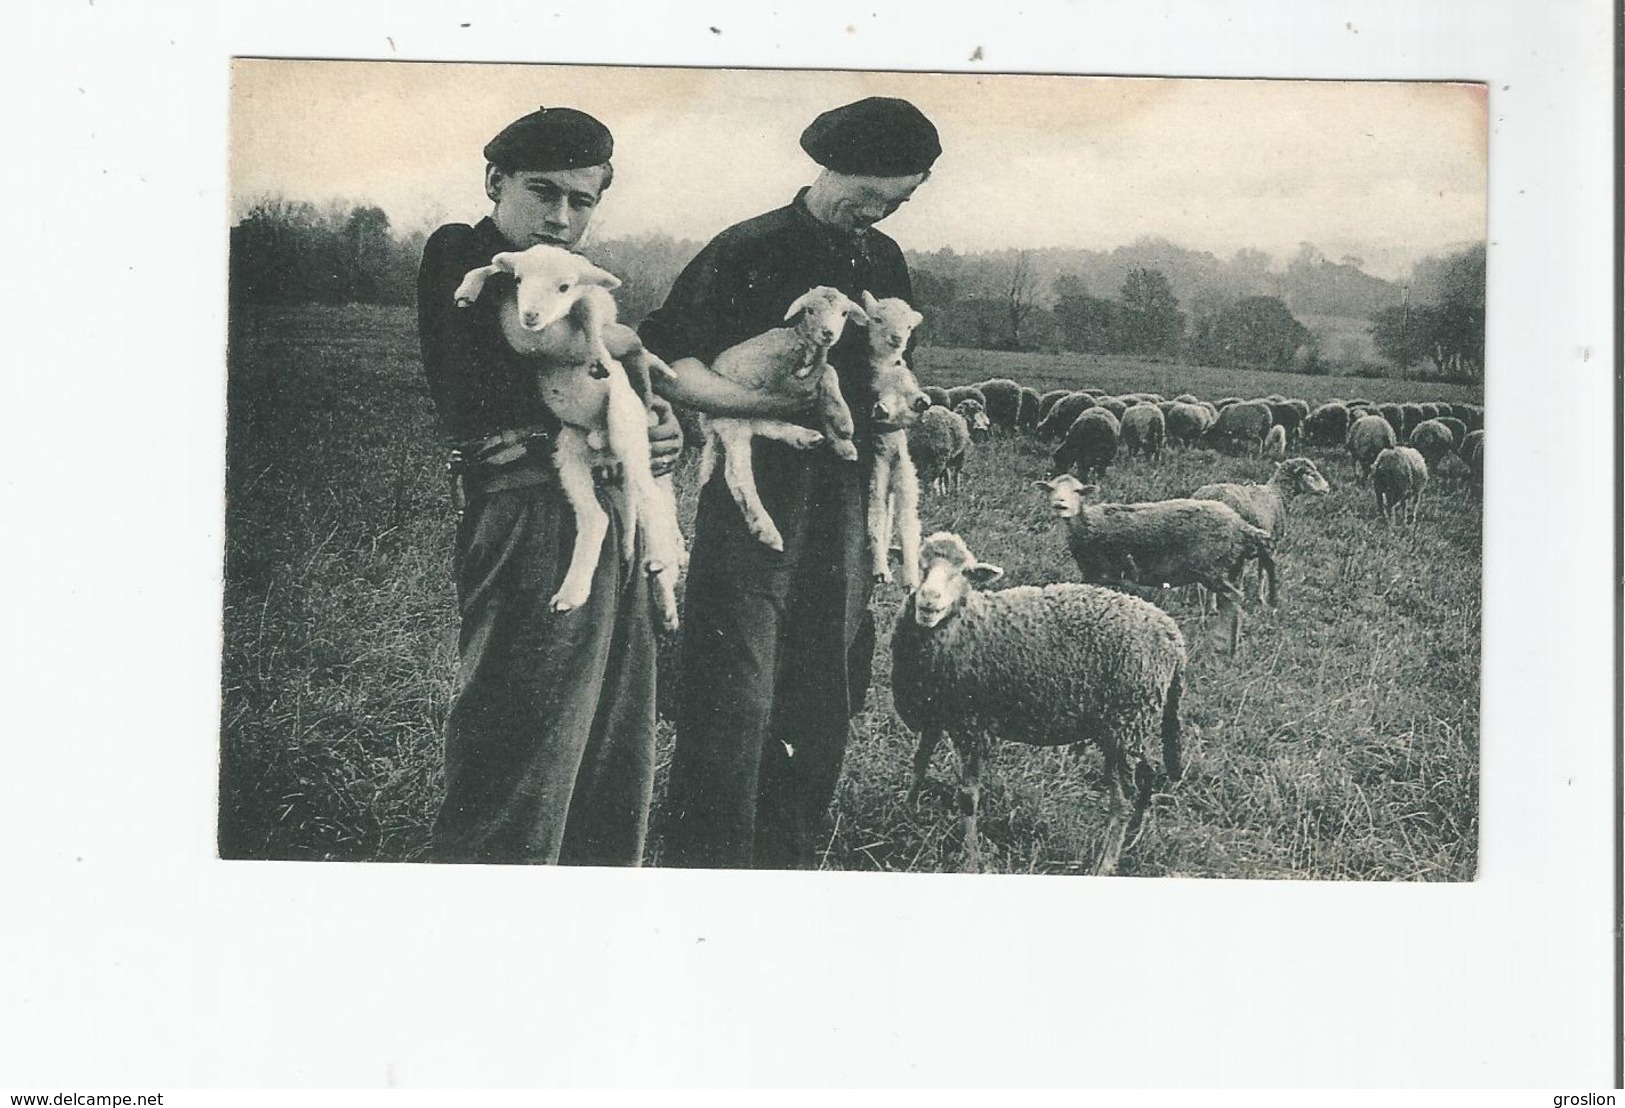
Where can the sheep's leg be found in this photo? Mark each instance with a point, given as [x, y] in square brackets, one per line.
[879, 518]
[473, 284]
[594, 310]
[739, 471]
[906, 498]
[1117, 778]
[627, 425]
[836, 416]
[1230, 601]
[791, 434]
[592, 522]
[970, 795]
[922, 763]
[1265, 567]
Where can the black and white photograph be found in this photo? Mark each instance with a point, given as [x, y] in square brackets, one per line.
[1125, 433]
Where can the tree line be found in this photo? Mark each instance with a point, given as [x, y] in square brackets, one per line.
[1149, 299]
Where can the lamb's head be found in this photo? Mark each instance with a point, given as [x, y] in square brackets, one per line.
[948, 572]
[891, 324]
[824, 312]
[548, 281]
[1066, 494]
[1300, 475]
[899, 400]
[975, 417]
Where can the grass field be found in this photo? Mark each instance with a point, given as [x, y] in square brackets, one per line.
[1341, 743]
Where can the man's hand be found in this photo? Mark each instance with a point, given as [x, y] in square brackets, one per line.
[665, 438]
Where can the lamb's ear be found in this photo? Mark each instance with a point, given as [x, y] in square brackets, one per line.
[592, 275]
[1050, 484]
[915, 319]
[983, 573]
[1088, 490]
[857, 315]
[504, 260]
[867, 299]
[796, 305]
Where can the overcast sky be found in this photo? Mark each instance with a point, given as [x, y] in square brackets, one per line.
[1385, 171]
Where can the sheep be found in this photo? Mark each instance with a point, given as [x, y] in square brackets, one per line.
[1049, 666]
[1472, 453]
[1063, 414]
[975, 416]
[1243, 424]
[1114, 405]
[1002, 399]
[1049, 400]
[1274, 448]
[1412, 415]
[1143, 431]
[1164, 542]
[1444, 410]
[560, 311]
[1285, 414]
[1093, 392]
[937, 395]
[1472, 415]
[1090, 445]
[1457, 429]
[1433, 440]
[1224, 402]
[1185, 423]
[1398, 476]
[1395, 417]
[960, 393]
[764, 362]
[938, 444]
[1264, 506]
[894, 487]
[1327, 425]
[1027, 418]
[1187, 398]
[1369, 436]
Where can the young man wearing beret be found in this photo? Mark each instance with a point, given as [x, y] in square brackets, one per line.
[550, 736]
[777, 647]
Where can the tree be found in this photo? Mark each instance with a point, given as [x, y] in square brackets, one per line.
[1446, 325]
[1150, 322]
[1256, 331]
[1087, 324]
[1020, 295]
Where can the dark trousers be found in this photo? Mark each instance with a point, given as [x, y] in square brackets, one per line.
[550, 738]
[776, 655]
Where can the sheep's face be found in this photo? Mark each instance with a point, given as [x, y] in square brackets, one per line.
[553, 207]
[1066, 494]
[824, 312]
[548, 282]
[975, 417]
[949, 571]
[891, 322]
[899, 400]
[1305, 477]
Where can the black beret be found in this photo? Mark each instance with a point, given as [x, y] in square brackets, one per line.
[878, 136]
[550, 138]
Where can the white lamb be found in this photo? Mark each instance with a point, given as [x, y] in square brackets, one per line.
[560, 311]
[894, 484]
[763, 362]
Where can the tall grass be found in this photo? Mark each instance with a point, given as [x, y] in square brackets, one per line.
[1341, 743]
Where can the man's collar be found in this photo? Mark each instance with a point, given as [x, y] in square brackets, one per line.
[848, 239]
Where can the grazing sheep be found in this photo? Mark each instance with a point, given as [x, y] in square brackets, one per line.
[1094, 392]
[1143, 431]
[937, 395]
[1090, 444]
[1243, 424]
[894, 487]
[1444, 410]
[1433, 440]
[1264, 506]
[1369, 436]
[1472, 415]
[1114, 405]
[1458, 430]
[1047, 666]
[1186, 398]
[961, 393]
[766, 362]
[1049, 400]
[559, 309]
[1027, 418]
[1274, 447]
[1284, 414]
[1398, 476]
[975, 416]
[1226, 402]
[1472, 454]
[1395, 417]
[938, 444]
[1412, 416]
[1164, 542]
[1063, 415]
[1186, 423]
[1002, 399]
[1327, 425]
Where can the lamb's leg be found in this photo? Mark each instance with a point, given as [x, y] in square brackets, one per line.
[791, 434]
[627, 423]
[878, 517]
[906, 498]
[836, 417]
[1117, 777]
[922, 763]
[739, 471]
[969, 749]
[592, 522]
[473, 284]
[1230, 601]
[1265, 567]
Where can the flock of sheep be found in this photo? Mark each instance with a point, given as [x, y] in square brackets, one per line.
[1097, 660]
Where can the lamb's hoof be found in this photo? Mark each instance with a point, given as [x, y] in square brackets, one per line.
[465, 302]
[770, 538]
[806, 439]
[654, 566]
[845, 449]
[567, 601]
[882, 577]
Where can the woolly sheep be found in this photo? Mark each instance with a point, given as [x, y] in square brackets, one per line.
[1433, 440]
[1327, 425]
[1002, 399]
[1143, 431]
[1048, 401]
[1472, 415]
[1243, 424]
[1064, 414]
[1186, 398]
[1458, 430]
[1284, 414]
[1369, 436]
[1395, 417]
[975, 416]
[1027, 417]
[1114, 405]
[1090, 444]
[961, 393]
[1412, 416]
[1398, 476]
[894, 487]
[1049, 666]
[1472, 453]
[1185, 423]
[1264, 506]
[937, 395]
[938, 444]
[1226, 402]
[1164, 542]
[1274, 447]
[1094, 392]
[765, 362]
[559, 310]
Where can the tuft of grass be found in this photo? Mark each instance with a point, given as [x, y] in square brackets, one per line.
[1341, 743]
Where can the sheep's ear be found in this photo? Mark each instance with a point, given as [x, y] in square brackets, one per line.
[504, 260]
[1050, 484]
[797, 304]
[867, 299]
[1088, 490]
[603, 278]
[857, 315]
[914, 320]
[983, 573]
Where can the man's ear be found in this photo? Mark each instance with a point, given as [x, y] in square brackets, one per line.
[493, 182]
